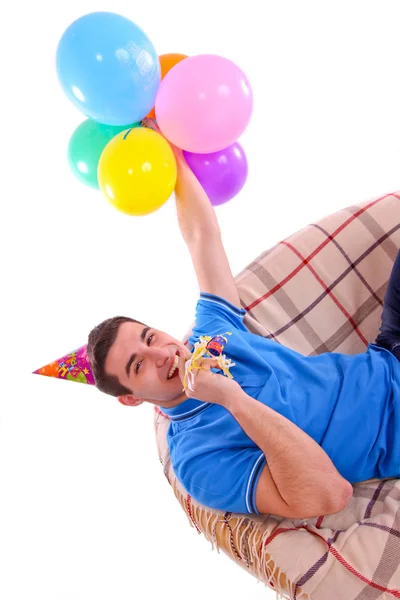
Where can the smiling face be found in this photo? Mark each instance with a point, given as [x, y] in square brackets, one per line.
[143, 359]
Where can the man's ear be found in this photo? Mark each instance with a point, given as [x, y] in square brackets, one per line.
[130, 400]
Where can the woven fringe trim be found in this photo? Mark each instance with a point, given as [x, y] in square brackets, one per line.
[242, 542]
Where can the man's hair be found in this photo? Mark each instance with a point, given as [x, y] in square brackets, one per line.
[100, 340]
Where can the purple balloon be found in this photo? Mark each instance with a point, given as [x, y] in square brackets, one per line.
[222, 174]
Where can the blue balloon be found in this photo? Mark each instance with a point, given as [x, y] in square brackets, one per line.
[108, 68]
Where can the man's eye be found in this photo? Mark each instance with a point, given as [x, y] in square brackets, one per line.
[140, 362]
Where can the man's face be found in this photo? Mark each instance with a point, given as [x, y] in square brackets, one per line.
[142, 359]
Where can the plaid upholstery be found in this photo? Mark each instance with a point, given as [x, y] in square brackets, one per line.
[320, 290]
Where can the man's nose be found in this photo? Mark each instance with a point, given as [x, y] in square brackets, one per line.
[160, 355]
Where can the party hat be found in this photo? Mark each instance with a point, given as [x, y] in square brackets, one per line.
[73, 367]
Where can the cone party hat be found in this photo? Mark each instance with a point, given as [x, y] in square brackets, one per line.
[72, 367]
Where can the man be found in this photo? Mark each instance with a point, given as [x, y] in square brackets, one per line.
[288, 434]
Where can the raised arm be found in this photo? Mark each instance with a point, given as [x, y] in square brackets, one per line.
[200, 230]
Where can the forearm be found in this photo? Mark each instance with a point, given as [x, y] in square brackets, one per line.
[196, 215]
[296, 462]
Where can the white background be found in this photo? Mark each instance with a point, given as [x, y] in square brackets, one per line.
[85, 510]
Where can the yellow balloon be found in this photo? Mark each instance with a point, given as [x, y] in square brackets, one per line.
[137, 171]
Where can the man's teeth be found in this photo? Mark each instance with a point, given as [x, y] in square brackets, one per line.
[174, 366]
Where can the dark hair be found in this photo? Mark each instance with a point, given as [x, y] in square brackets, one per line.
[100, 340]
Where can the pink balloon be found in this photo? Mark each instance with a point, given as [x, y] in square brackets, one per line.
[204, 104]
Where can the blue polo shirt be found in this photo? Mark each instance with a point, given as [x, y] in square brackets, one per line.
[349, 404]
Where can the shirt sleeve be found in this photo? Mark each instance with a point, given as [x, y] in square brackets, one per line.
[224, 479]
[215, 315]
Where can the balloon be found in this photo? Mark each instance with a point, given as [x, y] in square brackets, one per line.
[137, 171]
[108, 68]
[167, 61]
[222, 174]
[86, 146]
[204, 104]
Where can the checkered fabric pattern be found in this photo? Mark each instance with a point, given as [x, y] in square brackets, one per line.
[319, 290]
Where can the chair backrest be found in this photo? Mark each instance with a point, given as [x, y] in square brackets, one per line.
[321, 290]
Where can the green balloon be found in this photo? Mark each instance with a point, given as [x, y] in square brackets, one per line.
[86, 146]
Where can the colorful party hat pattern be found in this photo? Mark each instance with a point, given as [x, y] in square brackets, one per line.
[72, 367]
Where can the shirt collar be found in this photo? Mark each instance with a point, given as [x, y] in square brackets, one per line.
[186, 410]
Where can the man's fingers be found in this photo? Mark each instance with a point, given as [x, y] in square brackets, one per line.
[210, 363]
[146, 122]
[201, 364]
